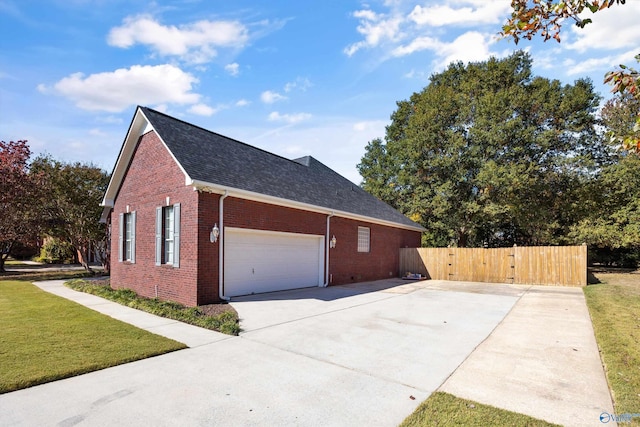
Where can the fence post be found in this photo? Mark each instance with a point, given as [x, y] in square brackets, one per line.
[450, 261]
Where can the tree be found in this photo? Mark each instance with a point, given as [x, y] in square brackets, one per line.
[73, 206]
[619, 113]
[487, 153]
[19, 198]
[626, 83]
[612, 224]
[546, 18]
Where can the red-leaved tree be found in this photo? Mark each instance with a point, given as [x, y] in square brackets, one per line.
[19, 193]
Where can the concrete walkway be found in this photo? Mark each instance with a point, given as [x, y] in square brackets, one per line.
[192, 336]
[365, 354]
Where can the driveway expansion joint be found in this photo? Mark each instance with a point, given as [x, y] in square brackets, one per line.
[317, 314]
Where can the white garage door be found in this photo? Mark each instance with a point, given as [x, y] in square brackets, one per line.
[263, 261]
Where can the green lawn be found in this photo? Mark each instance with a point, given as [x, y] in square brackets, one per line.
[443, 409]
[44, 338]
[614, 306]
[38, 276]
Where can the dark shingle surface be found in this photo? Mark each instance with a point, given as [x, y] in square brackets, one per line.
[216, 159]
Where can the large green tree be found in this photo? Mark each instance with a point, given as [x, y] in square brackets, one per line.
[612, 224]
[546, 18]
[73, 207]
[488, 153]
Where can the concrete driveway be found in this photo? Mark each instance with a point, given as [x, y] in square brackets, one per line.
[366, 354]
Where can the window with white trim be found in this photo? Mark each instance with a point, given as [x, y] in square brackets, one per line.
[168, 235]
[127, 237]
[364, 237]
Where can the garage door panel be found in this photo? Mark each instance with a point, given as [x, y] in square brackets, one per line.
[257, 261]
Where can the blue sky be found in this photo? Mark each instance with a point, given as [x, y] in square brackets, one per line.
[295, 78]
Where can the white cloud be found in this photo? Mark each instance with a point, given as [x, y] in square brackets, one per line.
[468, 47]
[371, 127]
[163, 108]
[196, 42]
[96, 132]
[288, 118]
[242, 103]
[585, 66]
[269, 97]
[113, 120]
[202, 110]
[233, 69]
[474, 12]
[416, 45]
[376, 29]
[400, 31]
[613, 28]
[117, 90]
[300, 83]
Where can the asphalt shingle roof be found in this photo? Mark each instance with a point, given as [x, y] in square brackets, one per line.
[212, 158]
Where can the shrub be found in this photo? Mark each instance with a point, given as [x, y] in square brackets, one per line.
[226, 322]
[56, 251]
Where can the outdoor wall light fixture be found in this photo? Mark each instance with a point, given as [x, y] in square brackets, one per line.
[215, 233]
[332, 242]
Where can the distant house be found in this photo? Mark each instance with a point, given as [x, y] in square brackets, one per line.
[196, 217]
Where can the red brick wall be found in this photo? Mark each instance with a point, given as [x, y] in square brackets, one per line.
[208, 252]
[262, 216]
[153, 175]
[347, 265]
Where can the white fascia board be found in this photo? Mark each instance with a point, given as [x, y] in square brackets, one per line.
[258, 197]
[139, 126]
[107, 203]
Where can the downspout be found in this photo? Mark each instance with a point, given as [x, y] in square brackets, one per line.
[327, 243]
[221, 247]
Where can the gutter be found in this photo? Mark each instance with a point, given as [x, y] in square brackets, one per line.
[263, 198]
[221, 248]
[326, 244]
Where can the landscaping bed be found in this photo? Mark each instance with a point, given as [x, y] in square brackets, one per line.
[218, 317]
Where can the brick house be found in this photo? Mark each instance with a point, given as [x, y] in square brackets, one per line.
[196, 217]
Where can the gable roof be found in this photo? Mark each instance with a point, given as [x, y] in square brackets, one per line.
[217, 163]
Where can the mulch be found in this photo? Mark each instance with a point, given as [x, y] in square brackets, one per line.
[216, 309]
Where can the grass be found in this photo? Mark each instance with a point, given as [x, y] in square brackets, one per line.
[614, 306]
[45, 338]
[37, 276]
[225, 322]
[443, 409]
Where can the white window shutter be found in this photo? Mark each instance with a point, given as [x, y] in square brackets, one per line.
[159, 225]
[133, 237]
[176, 235]
[120, 237]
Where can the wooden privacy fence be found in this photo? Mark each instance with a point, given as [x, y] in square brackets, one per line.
[529, 265]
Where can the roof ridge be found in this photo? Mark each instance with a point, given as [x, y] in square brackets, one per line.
[218, 134]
